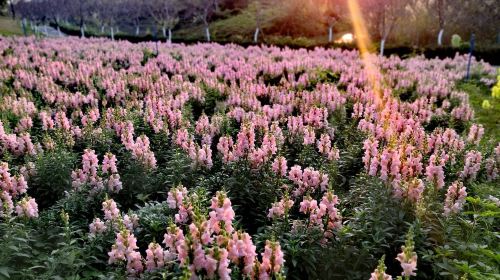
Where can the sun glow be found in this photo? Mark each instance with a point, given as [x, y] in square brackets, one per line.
[363, 42]
[347, 38]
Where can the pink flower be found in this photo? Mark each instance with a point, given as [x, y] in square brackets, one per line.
[279, 208]
[279, 166]
[111, 212]
[272, 260]
[295, 174]
[472, 165]
[114, 183]
[408, 258]
[6, 204]
[415, 190]
[435, 172]
[476, 132]
[90, 162]
[379, 273]
[27, 207]
[223, 268]
[176, 197]
[241, 246]
[324, 144]
[97, 227]
[130, 221]
[154, 257]
[225, 148]
[109, 164]
[222, 213]
[455, 198]
[309, 136]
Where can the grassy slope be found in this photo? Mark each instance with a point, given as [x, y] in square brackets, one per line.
[9, 27]
[489, 118]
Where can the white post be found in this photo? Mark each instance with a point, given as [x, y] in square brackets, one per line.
[169, 35]
[382, 46]
[112, 33]
[164, 31]
[440, 37]
[256, 35]
[137, 30]
[330, 34]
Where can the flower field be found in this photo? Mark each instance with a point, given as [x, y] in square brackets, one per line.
[146, 161]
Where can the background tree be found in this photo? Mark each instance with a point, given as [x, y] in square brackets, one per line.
[383, 16]
[203, 10]
[333, 11]
[165, 14]
[80, 11]
[12, 7]
[56, 11]
[112, 11]
[441, 7]
[135, 13]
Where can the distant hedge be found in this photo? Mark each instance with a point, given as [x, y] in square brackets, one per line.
[490, 53]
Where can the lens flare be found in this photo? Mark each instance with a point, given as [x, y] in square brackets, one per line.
[363, 42]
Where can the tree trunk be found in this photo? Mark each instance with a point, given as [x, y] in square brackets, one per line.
[330, 34]
[59, 30]
[12, 10]
[164, 31]
[112, 33]
[440, 37]
[23, 23]
[102, 28]
[382, 46]
[82, 28]
[256, 35]
[137, 30]
[169, 36]
[207, 33]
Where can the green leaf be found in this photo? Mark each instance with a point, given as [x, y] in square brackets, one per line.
[5, 272]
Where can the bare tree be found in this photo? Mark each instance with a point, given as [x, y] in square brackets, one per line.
[12, 7]
[441, 7]
[80, 11]
[112, 10]
[136, 12]
[56, 11]
[258, 19]
[203, 11]
[166, 14]
[25, 10]
[383, 16]
[98, 14]
[333, 11]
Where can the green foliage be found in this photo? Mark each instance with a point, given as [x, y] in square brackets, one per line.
[52, 177]
[477, 92]
[470, 246]
[26, 253]
[456, 41]
[147, 54]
